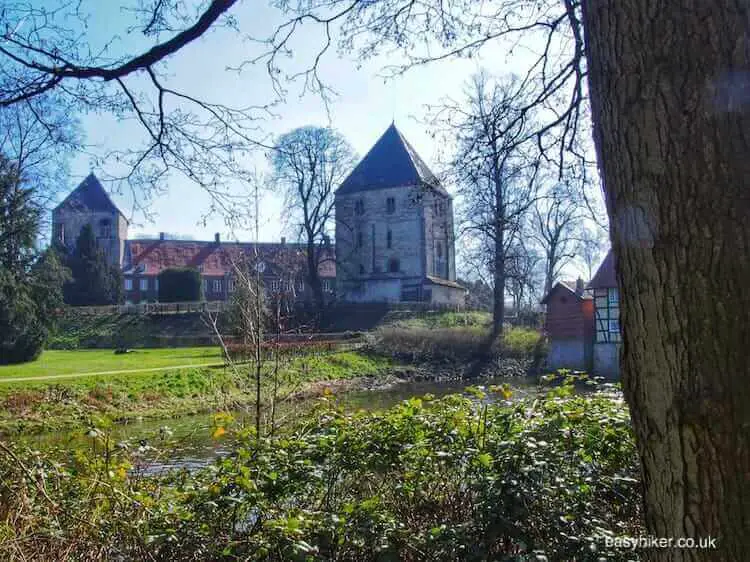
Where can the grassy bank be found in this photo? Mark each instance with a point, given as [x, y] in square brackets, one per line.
[36, 405]
[59, 362]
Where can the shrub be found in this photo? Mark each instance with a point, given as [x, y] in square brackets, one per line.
[423, 345]
[449, 479]
[179, 285]
[454, 345]
[22, 334]
[521, 341]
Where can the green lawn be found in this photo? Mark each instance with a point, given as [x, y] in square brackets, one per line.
[54, 362]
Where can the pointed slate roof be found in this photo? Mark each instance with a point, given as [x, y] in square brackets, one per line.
[89, 195]
[605, 277]
[391, 162]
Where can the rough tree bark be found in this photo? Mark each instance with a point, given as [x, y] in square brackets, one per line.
[671, 107]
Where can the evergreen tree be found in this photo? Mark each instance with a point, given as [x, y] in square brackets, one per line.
[94, 280]
[30, 285]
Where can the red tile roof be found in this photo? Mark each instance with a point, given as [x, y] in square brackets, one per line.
[216, 259]
[605, 277]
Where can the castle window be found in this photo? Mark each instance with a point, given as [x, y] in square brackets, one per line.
[144, 284]
[359, 207]
[391, 205]
[105, 228]
[390, 239]
[360, 241]
[361, 269]
[60, 232]
[128, 284]
[394, 266]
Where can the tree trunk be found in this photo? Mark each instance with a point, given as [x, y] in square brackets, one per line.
[313, 278]
[498, 312]
[671, 110]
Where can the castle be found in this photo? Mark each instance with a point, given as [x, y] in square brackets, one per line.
[394, 239]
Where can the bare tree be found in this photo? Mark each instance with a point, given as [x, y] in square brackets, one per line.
[46, 50]
[523, 273]
[39, 136]
[556, 223]
[495, 169]
[309, 163]
[591, 248]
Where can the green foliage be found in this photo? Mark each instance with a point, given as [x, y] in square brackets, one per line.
[451, 479]
[180, 285]
[30, 285]
[469, 319]
[453, 345]
[521, 340]
[94, 280]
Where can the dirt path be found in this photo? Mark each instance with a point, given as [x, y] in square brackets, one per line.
[104, 373]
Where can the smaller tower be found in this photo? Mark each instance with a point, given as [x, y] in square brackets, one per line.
[89, 204]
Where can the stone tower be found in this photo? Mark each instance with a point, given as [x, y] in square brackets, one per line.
[89, 204]
[394, 229]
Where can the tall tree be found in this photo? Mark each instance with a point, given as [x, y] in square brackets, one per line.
[95, 281]
[309, 163]
[495, 170]
[556, 227]
[670, 106]
[30, 285]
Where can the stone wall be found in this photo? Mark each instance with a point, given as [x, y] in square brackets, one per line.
[607, 360]
[567, 354]
[374, 257]
[73, 222]
[420, 223]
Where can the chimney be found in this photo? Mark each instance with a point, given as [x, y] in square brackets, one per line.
[283, 240]
[161, 236]
[217, 238]
[579, 286]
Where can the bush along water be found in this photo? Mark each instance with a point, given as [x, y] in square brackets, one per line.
[466, 477]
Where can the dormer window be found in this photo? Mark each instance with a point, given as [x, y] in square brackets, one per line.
[359, 207]
[390, 205]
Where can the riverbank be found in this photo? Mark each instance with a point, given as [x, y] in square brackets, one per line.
[39, 404]
[68, 390]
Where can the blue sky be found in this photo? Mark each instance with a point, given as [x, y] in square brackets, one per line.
[365, 107]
